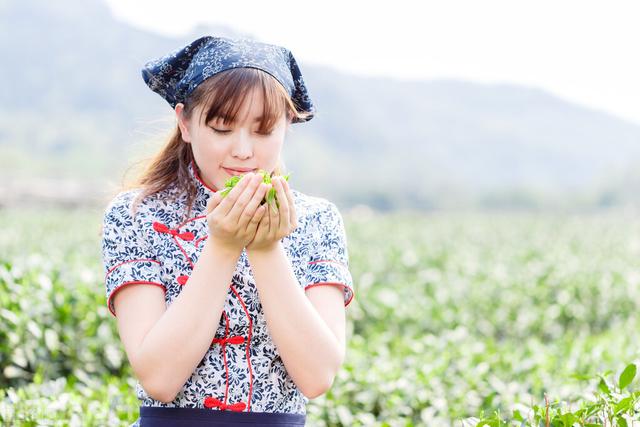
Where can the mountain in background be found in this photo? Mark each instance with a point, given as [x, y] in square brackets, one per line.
[75, 109]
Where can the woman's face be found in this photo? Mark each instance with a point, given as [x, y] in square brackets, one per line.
[217, 146]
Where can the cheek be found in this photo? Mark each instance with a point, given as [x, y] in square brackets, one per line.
[210, 151]
[274, 143]
[278, 136]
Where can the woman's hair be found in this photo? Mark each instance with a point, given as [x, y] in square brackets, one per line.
[221, 95]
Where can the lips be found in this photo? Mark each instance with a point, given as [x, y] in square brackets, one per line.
[234, 172]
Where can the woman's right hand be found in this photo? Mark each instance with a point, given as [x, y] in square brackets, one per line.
[233, 219]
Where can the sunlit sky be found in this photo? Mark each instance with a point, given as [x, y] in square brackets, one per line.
[583, 51]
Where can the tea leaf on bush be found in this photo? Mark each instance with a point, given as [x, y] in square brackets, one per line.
[627, 376]
[603, 387]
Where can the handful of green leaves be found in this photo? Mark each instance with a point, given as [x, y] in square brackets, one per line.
[269, 198]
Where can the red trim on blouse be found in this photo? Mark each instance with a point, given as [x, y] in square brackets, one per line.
[195, 172]
[224, 355]
[236, 339]
[186, 255]
[162, 228]
[200, 240]
[136, 282]
[244, 307]
[125, 262]
[210, 401]
[335, 284]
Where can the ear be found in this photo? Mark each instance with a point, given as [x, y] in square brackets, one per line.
[183, 124]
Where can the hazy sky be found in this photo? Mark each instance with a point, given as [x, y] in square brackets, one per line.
[584, 51]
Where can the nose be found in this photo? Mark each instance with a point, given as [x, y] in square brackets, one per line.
[242, 145]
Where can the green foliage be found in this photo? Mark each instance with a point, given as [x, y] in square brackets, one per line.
[53, 319]
[612, 406]
[269, 198]
[98, 402]
[457, 320]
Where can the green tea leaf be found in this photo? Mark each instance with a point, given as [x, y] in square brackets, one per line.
[623, 405]
[627, 376]
[603, 387]
[271, 196]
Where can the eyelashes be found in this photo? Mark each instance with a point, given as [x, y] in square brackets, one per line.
[226, 132]
[223, 132]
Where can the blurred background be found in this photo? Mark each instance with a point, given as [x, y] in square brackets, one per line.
[485, 156]
[432, 106]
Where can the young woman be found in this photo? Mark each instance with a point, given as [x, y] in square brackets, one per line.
[231, 310]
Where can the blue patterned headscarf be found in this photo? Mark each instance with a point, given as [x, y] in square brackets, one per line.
[175, 75]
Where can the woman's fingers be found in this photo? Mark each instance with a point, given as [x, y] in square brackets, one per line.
[293, 221]
[257, 218]
[250, 209]
[213, 202]
[228, 202]
[283, 210]
[244, 198]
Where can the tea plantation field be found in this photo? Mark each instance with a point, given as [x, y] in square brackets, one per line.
[458, 319]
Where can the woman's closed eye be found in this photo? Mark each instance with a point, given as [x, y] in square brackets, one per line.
[222, 131]
[226, 131]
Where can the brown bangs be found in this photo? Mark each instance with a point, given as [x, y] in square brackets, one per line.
[224, 94]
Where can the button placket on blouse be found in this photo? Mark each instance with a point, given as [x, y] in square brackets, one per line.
[210, 401]
[175, 233]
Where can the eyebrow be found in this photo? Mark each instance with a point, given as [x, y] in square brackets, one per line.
[257, 119]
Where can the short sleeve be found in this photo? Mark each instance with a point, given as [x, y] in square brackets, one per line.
[328, 252]
[128, 257]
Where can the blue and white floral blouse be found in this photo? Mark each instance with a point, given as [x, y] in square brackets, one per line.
[242, 370]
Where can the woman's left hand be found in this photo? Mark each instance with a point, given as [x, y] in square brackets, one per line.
[277, 222]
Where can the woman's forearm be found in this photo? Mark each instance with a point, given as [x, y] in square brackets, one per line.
[306, 344]
[175, 346]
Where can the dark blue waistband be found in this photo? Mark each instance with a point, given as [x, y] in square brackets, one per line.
[156, 416]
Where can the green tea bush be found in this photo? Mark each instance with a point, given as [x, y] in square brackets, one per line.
[53, 318]
[457, 320]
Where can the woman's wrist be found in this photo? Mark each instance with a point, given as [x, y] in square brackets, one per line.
[214, 246]
[265, 249]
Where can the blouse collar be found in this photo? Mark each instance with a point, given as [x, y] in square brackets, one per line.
[194, 173]
[203, 191]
